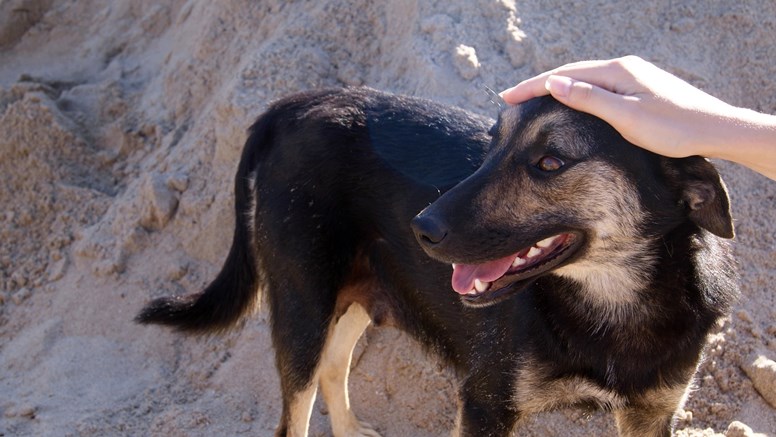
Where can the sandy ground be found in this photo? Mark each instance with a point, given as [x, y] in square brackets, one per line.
[120, 128]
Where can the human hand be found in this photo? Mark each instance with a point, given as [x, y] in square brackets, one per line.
[658, 111]
[648, 106]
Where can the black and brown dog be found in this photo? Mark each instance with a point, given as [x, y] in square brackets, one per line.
[586, 270]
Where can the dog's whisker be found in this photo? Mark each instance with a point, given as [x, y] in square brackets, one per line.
[495, 98]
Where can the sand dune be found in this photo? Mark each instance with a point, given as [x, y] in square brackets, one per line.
[120, 129]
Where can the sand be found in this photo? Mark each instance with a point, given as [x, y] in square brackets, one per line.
[120, 129]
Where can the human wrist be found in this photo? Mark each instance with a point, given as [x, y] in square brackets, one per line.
[717, 133]
[743, 136]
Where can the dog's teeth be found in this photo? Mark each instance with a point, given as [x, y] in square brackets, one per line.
[518, 262]
[535, 251]
[481, 286]
[454, 265]
[472, 293]
[547, 242]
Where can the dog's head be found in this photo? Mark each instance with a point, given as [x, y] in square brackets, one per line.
[561, 191]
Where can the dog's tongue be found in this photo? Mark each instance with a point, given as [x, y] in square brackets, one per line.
[465, 274]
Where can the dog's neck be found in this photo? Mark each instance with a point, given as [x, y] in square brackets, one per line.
[612, 275]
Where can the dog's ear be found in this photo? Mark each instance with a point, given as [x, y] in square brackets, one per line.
[705, 196]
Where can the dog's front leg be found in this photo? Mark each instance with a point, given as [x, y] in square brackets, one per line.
[652, 414]
[635, 421]
[486, 407]
[476, 419]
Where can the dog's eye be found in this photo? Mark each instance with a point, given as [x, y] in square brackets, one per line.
[549, 163]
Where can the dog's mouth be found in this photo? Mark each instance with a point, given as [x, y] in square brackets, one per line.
[480, 284]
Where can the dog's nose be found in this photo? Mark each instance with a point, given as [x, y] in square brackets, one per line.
[428, 230]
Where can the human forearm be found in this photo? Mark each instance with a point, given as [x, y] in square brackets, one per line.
[747, 138]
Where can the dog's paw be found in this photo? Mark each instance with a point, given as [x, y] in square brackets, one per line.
[359, 428]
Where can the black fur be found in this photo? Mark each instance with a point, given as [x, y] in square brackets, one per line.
[327, 187]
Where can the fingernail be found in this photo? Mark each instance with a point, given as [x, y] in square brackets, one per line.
[558, 86]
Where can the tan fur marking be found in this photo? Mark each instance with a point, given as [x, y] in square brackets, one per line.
[649, 414]
[543, 124]
[332, 373]
[535, 392]
[507, 124]
[617, 262]
[301, 409]
[335, 368]
[652, 414]
[250, 215]
[362, 288]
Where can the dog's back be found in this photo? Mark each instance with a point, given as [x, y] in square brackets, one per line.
[309, 148]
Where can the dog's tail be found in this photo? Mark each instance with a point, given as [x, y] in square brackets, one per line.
[235, 290]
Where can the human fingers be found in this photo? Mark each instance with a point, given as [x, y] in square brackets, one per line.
[526, 90]
[611, 107]
[614, 75]
[535, 86]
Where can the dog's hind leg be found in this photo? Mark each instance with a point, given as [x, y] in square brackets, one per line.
[296, 415]
[298, 401]
[334, 371]
[300, 325]
[302, 369]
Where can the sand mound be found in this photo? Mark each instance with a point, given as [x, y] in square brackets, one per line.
[120, 128]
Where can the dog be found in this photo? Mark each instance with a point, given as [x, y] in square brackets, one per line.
[585, 270]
